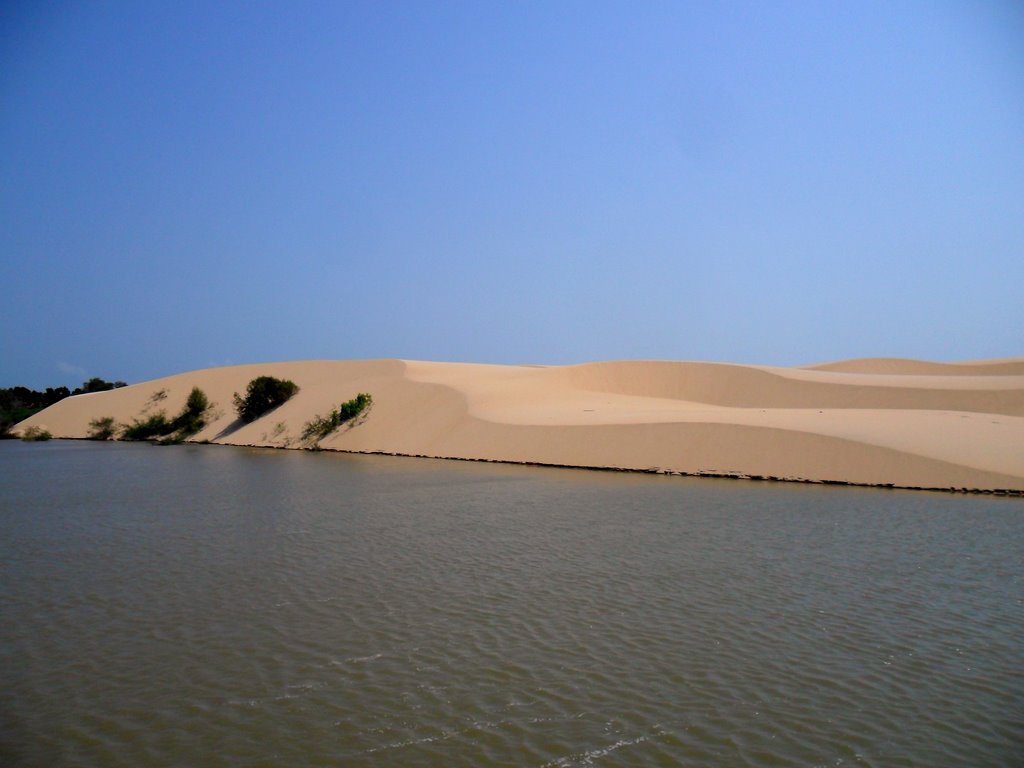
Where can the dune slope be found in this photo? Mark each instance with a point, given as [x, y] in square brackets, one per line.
[907, 424]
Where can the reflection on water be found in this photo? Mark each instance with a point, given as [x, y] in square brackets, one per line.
[200, 605]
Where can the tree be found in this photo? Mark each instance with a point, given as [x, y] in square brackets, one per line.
[96, 384]
[263, 394]
[193, 416]
[18, 403]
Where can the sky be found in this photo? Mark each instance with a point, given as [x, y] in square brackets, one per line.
[192, 184]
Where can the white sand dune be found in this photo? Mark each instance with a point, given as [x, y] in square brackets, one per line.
[905, 423]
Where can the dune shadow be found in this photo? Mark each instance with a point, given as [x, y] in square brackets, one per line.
[229, 430]
[237, 424]
[313, 441]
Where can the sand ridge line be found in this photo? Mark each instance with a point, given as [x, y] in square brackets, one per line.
[680, 417]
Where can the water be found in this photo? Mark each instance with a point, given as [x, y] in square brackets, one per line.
[202, 605]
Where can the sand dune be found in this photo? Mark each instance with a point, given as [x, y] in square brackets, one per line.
[899, 365]
[904, 423]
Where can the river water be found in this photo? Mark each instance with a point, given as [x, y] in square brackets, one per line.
[205, 605]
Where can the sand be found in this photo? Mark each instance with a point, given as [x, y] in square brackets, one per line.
[880, 421]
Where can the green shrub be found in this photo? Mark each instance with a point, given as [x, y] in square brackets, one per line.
[197, 401]
[191, 419]
[35, 435]
[102, 429]
[321, 426]
[156, 425]
[263, 394]
[193, 416]
[353, 407]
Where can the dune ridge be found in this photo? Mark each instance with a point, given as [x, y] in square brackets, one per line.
[1013, 366]
[886, 422]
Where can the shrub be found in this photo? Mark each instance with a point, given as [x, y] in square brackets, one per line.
[318, 427]
[193, 416]
[197, 401]
[102, 429]
[35, 435]
[321, 426]
[353, 407]
[263, 394]
[191, 419]
[156, 425]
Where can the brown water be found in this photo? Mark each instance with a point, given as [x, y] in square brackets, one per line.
[200, 605]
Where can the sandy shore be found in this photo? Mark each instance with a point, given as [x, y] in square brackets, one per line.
[905, 423]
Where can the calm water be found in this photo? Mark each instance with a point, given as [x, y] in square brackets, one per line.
[200, 605]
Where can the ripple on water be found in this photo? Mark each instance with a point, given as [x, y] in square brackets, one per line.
[366, 611]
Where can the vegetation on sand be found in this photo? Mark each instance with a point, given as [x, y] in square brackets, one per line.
[193, 416]
[155, 425]
[18, 403]
[104, 428]
[35, 435]
[190, 420]
[263, 394]
[321, 426]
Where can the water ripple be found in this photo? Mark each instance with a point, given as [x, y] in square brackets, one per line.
[234, 609]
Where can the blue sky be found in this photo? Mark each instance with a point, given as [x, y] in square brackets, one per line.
[193, 184]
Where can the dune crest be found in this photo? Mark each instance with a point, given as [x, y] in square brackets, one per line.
[898, 365]
[901, 423]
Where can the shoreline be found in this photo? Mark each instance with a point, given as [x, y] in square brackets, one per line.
[711, 475]
[921, 428]
[1001, 492]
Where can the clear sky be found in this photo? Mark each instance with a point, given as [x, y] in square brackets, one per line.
[188, 184]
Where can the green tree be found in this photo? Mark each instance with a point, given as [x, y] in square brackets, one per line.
[18, 403]
[263, 394]
[193, 416]
[96, 384]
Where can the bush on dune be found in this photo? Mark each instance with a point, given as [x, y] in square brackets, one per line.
[321, 426]
[193, 416]
[191, 419]
[263, 394]
[103, 428]
[156, 425]
[35, 435]
[353, 407]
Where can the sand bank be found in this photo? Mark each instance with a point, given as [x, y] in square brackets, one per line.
[904, 423]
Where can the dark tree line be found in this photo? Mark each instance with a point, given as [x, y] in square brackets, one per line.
[18, 403]
[98, 385]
